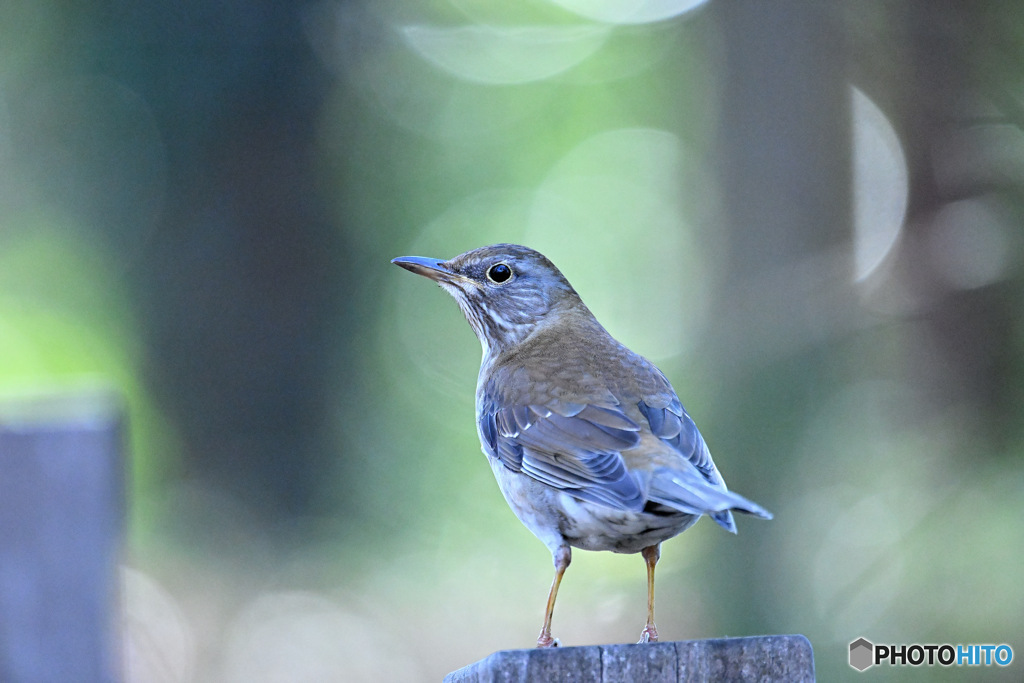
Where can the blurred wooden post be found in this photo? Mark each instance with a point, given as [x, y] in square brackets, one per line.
[760, 658]
[61, 518]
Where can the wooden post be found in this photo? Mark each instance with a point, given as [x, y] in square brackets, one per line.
[61, 519]
[761, 658]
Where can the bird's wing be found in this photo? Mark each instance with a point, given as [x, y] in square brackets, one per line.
[696, 484]
[670, 422]
[571, 446]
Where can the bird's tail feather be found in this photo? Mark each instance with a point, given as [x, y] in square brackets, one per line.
[725, 520]
[695, 495]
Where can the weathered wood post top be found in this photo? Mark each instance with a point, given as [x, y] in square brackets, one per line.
[760, 658]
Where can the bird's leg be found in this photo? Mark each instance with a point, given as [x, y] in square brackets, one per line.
[562, 557]
[651, 554]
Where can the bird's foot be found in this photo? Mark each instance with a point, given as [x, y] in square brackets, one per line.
[545, 640]
[649, 634]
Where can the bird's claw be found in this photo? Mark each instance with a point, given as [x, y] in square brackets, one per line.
[648, 635]
[545, 640]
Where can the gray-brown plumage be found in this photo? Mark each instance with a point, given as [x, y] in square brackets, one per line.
[587, 440]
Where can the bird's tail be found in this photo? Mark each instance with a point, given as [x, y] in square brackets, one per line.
[695, 495]
[724, 519]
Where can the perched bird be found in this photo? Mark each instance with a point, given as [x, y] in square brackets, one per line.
[588, 441]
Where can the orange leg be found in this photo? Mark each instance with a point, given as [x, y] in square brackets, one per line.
[562, 557]
[651, 554]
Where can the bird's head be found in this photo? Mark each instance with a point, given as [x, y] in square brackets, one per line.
[506, 291]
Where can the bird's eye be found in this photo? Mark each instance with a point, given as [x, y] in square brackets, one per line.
[499, 273]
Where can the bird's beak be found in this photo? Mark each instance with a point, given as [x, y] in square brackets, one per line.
[428, 267]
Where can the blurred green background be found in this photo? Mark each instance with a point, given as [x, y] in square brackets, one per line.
[807, 214]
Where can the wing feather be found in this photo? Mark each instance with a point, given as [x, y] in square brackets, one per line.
[571, 446]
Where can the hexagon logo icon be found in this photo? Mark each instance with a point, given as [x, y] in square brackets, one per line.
[861, 654]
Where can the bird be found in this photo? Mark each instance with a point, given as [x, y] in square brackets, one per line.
[587, 440]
